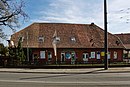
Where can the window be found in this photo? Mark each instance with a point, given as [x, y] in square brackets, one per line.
[85, 57]
[57, 39]
[73, 39]
[115, 55]
[41, 39]
[49, 56]
[92, 54]
[42, 54]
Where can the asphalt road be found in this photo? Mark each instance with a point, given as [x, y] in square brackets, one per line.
[64, 80]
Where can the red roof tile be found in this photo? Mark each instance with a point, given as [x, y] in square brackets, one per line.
[86, 35]
[125, 38]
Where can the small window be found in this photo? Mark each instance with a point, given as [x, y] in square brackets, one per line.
[41, 39]
[73, 39]
[49, 56]
[42, 54]
[115, 55]
[85, 55]
[92, 54]
[57, 39]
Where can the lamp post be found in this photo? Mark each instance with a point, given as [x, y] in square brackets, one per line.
[105, 36]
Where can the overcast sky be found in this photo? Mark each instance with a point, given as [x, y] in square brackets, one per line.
[79, 11]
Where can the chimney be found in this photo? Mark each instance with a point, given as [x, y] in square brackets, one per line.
[92, 24]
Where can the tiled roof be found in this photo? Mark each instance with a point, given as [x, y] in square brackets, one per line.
[86, 36]
[125, 38]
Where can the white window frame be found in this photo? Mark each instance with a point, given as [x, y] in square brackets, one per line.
[115, 55]
[93, 54]
[40, 39]
[85, 58]
[42, 54]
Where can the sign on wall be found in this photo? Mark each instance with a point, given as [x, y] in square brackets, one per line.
[98, 55]
[67, 55]
[102, 53]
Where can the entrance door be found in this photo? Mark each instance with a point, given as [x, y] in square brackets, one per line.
[62, 57]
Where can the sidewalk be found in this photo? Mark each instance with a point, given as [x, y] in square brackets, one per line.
[67, 71]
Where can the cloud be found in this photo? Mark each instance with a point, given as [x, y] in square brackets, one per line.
[119, 16]
[70, 11]
[87, 11]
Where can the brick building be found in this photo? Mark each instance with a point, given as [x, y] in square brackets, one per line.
[75, 43]
[125, 38]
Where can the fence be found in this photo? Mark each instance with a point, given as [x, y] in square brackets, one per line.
[10, 61]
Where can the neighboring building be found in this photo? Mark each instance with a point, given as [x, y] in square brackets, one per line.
[125, 38]
[76, 43]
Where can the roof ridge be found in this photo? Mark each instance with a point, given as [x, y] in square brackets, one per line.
[60, 23]
[122, 34]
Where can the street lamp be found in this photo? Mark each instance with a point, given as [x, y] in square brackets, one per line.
[105, 36]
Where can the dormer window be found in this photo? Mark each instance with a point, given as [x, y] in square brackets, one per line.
[41, 39]
[73, 39]
[57, 39]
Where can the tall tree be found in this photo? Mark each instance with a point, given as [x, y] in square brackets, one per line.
[11, 11]
[20, 53]
[3, 50]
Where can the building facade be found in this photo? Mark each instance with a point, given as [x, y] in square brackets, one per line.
[125, 38]
[51, 43]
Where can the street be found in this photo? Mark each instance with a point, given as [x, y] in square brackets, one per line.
[64, 80]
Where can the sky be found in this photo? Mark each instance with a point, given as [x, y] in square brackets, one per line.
[79, 12]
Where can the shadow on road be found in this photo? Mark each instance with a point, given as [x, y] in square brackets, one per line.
[63, 74]
[54, 76]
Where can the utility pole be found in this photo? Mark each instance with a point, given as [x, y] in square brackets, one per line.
[105, 36]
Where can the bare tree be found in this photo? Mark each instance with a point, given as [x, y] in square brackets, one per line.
[11, 11]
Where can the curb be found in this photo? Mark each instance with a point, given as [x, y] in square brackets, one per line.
[89, 71]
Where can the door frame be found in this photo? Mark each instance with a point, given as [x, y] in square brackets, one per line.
[62, 53]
